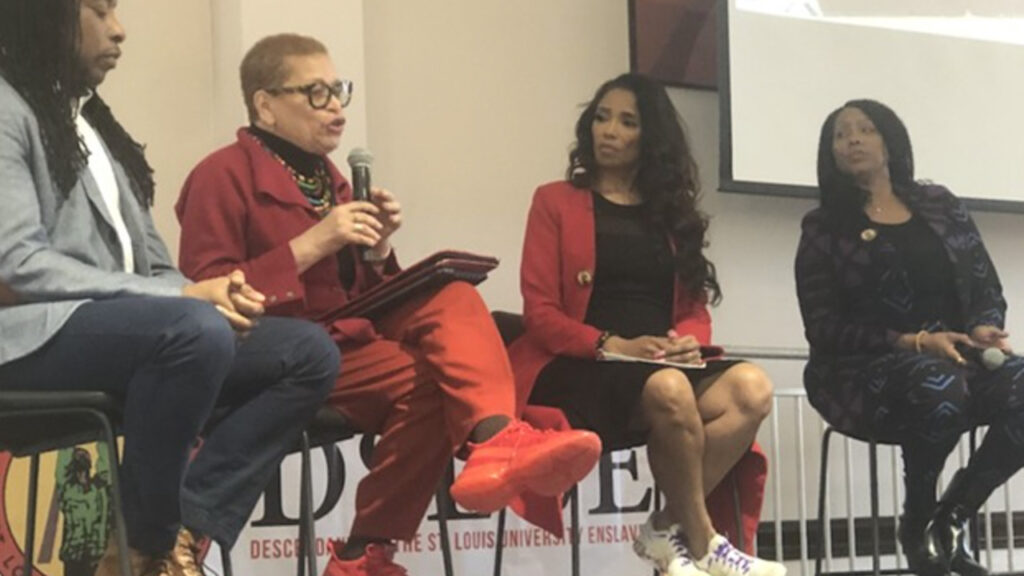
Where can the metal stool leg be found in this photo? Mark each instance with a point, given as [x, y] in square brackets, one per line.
[30, 519]
[442, 527]
[574, 496]
[499, 546]
[657, 507]
[822, 494]
[876, 551]
[225, 560]
[737, 505]
[876, 546]
[974, 526]
[307, 527]
[109, 443]
[121, 531]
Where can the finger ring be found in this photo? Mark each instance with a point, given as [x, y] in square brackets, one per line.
[358, 227]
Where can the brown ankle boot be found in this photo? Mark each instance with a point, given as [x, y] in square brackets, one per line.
[186, 553]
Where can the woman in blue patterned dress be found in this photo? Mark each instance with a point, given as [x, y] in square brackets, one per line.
[901, 304]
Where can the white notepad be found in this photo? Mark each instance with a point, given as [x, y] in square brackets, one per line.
[613, 357]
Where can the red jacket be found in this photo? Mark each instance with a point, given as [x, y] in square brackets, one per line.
[239, 208]
[557, 274]
[557, 280]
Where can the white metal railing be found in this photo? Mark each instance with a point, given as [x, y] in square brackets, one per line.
[792, 440]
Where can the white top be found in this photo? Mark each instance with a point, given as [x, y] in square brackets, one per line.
[103, 172]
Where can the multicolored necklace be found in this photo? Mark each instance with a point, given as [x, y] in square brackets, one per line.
[318, 189]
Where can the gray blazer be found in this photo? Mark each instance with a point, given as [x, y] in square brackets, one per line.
[57, 253]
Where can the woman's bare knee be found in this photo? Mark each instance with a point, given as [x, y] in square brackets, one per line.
[752, 390]
[668, 395]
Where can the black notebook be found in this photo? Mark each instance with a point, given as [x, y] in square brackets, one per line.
[427, 274]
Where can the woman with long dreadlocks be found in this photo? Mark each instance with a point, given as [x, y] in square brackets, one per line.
[89, 300]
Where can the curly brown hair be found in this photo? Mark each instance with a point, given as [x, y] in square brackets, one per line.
[666, 179]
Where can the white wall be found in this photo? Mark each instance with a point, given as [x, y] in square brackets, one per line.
[473, 105]
[160, 92]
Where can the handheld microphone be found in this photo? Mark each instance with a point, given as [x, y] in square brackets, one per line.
[989, 358]
[992, 358]
[360, 160]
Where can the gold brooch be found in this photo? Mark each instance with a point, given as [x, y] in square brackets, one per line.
[584, 277]
[868, 234]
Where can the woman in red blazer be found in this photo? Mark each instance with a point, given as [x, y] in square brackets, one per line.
[613, 264]
[431, 376]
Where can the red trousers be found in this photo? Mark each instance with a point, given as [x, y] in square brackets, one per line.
[439, 369]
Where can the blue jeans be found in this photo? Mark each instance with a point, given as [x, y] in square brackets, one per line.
[175, 361]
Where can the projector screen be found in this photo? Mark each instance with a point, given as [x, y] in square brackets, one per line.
[953, 70]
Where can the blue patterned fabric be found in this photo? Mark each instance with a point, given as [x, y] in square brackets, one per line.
[856, 300]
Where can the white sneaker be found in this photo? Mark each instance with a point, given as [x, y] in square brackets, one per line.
[664, 549]
[725, 560]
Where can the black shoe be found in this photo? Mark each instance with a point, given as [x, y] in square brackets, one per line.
[965, 565]
[947, 533]
[921, 558]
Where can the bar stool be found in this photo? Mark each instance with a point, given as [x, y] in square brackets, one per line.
[32, 423]
[876, 569]
[327, 428]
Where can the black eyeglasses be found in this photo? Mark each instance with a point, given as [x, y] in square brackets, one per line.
[319, 93]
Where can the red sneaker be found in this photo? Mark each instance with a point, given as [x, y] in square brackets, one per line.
[377, 560]
[521, 458]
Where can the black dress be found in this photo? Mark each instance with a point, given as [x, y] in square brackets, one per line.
[930, 277]
[634, 284]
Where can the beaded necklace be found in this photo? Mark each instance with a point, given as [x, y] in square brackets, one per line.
[318, 188]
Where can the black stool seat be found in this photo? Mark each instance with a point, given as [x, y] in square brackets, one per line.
[876, 552]
[327, 427]
[24, 429]
[34, 422]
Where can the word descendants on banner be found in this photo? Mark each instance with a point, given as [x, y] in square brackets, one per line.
[615, 501]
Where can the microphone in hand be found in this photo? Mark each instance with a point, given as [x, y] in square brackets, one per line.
[360, 160]
[990, 358]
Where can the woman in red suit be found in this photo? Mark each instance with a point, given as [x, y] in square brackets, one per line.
[431, 376]
[613, 263]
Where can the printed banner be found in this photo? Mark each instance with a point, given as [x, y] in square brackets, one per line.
[73, 522]
[73, 512]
